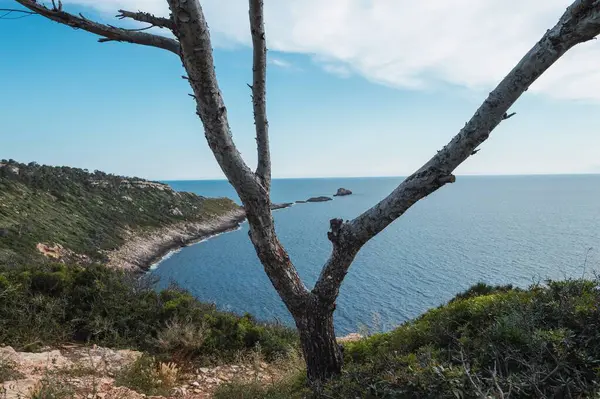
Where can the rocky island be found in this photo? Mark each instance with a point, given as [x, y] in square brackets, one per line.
[341, 192]
[319, 199]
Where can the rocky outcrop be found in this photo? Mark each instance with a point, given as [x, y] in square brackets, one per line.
[319, 199]
[274, 207]
[129, 184]
[90, 372]
[30, 369]
[352, 337]
[61, 254]
[342, 192]
[11, 168]
[141, 250]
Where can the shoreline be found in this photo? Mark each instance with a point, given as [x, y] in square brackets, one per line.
[145, 251]
[200, 240]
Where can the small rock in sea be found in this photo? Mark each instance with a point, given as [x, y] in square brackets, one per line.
[300, 202]
[281, 206]
[342, 192]
[319, 199]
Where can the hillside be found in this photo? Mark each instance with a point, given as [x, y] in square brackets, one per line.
[488, 342]
[90, 215]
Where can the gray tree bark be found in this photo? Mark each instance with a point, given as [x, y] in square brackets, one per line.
[107, 32]
[313, 310]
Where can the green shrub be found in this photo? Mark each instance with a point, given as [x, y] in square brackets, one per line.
[53, 387]
[540, 342]
[488, 342]
[143, 376]
[292, 386]
[52, 304]
[8, 371]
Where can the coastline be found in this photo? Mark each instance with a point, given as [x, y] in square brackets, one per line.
[143, 252]
[200, 240]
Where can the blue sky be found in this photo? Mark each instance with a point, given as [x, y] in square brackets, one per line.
[338, 105]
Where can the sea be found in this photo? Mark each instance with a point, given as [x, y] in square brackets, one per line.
[518, 230]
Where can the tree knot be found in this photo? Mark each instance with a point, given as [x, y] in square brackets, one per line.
[336, 228]
[446, 179]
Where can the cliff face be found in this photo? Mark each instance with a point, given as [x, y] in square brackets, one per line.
[98, 217]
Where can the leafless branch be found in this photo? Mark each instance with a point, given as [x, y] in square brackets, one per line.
[495, 380]
[7, 11]
[146, 17]
[192, 30]
[259, 72]
[108, 33]
[579, 23]
[466, 368]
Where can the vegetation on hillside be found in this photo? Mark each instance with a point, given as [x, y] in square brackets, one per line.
[88, 213]
[494, 342]
[48, 305]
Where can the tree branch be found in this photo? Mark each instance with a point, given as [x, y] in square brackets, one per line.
[259, 72]
[108, 33]
[7, 11]
[193, 34]
[146, 17]
[580, 23]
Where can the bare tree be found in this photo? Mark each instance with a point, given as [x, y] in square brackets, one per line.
[313, 309]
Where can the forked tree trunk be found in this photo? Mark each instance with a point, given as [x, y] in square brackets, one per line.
[322, 354]
[313, 310]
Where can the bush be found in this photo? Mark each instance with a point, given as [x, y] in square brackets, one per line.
[486, 342]
[8, 371]
[53, 386]
[291, 387]
[147, 376]
[53, 304]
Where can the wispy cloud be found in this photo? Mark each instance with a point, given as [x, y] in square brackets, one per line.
[341, 71]
[402, 43]
[280, 63]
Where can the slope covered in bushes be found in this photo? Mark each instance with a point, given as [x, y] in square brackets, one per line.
[88, 213]
[494, 342]
[52, 304]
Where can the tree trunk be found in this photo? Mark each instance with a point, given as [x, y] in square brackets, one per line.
[322, 354]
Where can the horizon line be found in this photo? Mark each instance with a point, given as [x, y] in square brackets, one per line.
[391, 176]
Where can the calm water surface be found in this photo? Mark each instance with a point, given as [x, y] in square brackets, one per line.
[494, 229]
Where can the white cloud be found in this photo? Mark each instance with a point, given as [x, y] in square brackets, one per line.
[278, 62]
[402, 43]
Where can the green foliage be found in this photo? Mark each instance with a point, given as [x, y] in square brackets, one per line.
[55, 303]
[142, 376]
[544, 341]
[52, 386]
[89, 213]
[482, 289]
[8, 370]
[487, 342]
[291, 387]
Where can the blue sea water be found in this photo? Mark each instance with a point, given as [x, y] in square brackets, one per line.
[505, 229]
